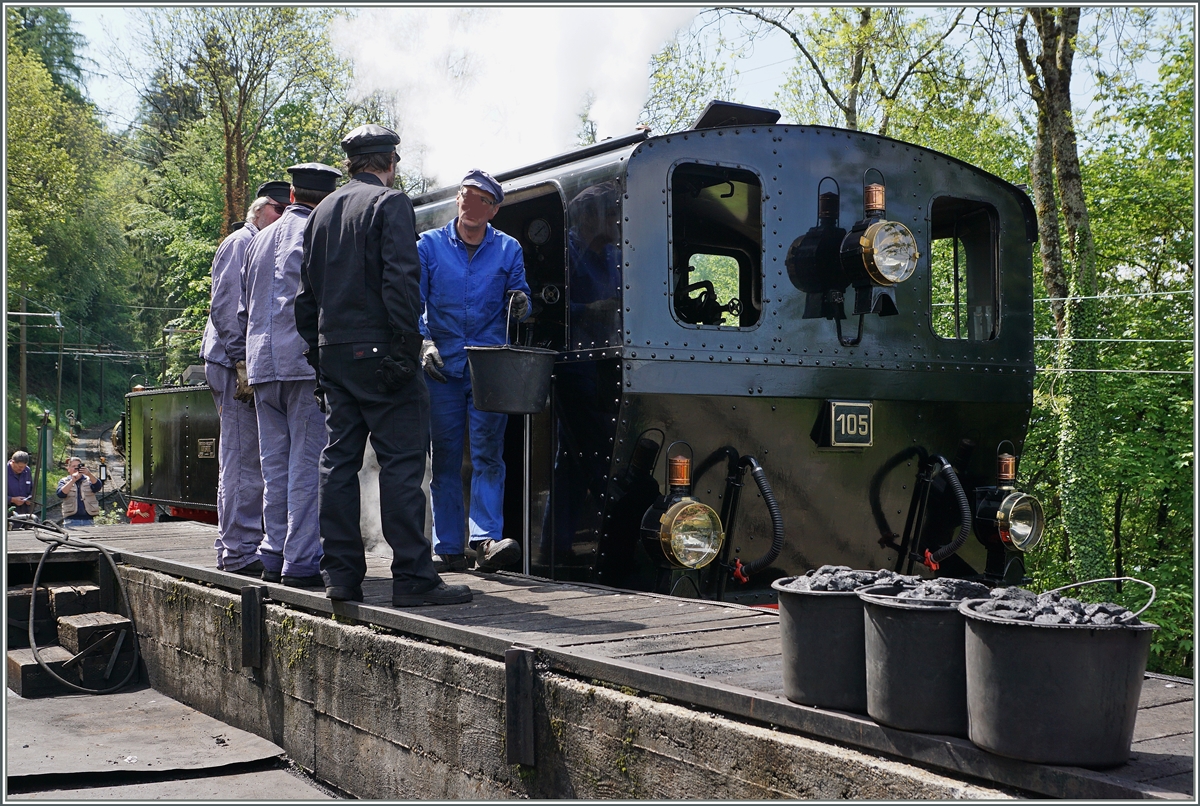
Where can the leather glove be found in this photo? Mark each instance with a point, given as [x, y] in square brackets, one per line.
[431, 360]
[319, 394]
[242, 390]
[402, 363]
[520, 304]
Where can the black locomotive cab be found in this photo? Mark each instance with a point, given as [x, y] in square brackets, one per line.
[845, 316]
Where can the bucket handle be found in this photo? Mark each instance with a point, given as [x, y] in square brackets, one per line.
[508, 319]
[1153, 590]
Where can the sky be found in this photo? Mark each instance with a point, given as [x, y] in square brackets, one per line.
[521, 73]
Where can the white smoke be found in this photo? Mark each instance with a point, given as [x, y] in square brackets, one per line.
[497, 88]
[369, 521]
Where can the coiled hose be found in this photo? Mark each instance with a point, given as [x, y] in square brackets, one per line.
[764, 487]
[965, 514]
[58, 538]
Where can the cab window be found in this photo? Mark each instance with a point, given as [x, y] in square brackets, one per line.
[964, 280]
[716, 246]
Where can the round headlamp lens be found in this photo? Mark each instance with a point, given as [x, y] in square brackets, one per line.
[691, 534]
[892, 254]
[1021, 520]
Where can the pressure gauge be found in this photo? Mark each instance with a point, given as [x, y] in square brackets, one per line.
[538, 231]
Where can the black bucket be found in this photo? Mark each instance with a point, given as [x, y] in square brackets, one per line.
[509, 379]
[1054, 693]
[916, 674]
[822, 642]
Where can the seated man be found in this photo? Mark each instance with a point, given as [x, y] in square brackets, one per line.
[78, 492]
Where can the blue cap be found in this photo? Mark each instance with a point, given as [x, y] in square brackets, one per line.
[483, 180]
[315, 176]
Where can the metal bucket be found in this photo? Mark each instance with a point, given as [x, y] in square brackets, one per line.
[1054, 693]
[509, 379]
[916, 673]
[822, 642]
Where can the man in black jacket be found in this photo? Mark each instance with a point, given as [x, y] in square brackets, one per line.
[357, 310]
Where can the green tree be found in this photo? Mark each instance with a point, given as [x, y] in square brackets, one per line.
[46, 32]
[244, 62]
[65, 247]
[683, 79]
[1070, 274]
[855, 64]
[1137, 175]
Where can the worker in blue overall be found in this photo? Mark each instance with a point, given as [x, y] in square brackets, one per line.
[469, 270]
[359, 301]
[239, 474]
[291, 427]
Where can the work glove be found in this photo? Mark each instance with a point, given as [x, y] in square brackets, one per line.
[520, 304]
[242, 390]
[431, 360]
[401, 364]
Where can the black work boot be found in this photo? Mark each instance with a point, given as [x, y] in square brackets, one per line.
[493, 555]
[344, 593]
[439, 594]
[452, 562]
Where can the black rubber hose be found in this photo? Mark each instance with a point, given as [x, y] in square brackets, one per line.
[764, 487]
[66, 540]
[965, 509]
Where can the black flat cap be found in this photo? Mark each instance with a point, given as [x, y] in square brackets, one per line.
[278, 191]
[315, 176]
[370, 139]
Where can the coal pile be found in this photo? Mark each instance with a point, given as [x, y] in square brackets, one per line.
[946, 590]
[842, 578]
[1018, 604]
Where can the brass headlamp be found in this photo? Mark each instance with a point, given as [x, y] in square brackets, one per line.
[678, 530]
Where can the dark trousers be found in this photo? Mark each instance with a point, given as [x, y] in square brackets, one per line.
[398, 425]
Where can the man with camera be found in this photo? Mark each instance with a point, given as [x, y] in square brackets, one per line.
[78, 492]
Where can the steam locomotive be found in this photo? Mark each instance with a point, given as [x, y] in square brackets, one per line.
[778, 347]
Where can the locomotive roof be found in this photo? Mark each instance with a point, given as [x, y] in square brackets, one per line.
[631, 141]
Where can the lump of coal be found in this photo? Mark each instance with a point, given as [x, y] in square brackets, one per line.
[946, 589]
[842, 578]
[1018, 604]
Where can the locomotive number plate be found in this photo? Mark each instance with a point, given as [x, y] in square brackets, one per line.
[206, 449]
[850, 424]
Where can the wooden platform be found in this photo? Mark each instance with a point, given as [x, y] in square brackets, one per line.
[716, 656]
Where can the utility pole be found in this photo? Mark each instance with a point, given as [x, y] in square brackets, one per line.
[24, 378]
[98, 346]
[79, 379]
[58, 399]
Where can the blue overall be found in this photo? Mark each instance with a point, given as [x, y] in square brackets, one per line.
[239, 473]
[291, 428]
[464, 304]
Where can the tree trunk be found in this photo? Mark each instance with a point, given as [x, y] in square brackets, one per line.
[242, 176]
[227, 179]
[1080, 432]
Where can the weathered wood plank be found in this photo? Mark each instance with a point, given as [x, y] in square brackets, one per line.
[1157, 721]
[1161, 691]
[1159, 758]
[719, 635]
[1182, 782]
